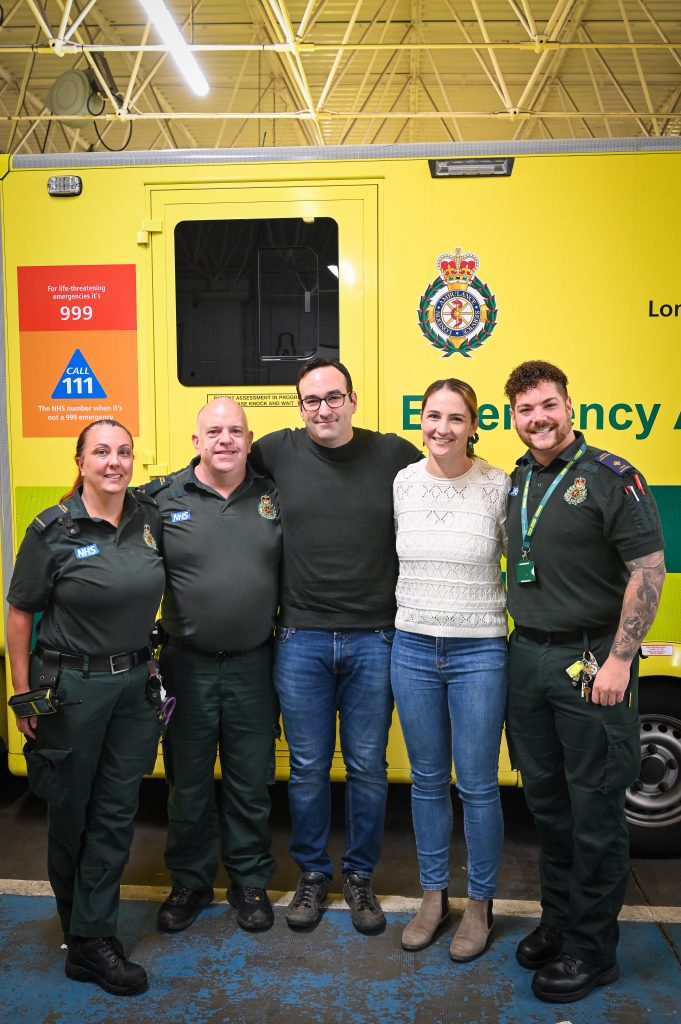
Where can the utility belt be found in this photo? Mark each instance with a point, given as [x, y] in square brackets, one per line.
[114, 663]
[217, 655]
[573, 636]
[45, 699]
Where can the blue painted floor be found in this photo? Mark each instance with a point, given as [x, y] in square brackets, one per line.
[215, 973]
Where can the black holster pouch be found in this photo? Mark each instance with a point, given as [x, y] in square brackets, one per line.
[158, 635]
[155, 691]
[43, 701]
[49, 673]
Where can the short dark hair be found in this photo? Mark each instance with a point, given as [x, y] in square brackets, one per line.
[532, 373]
[317, 364]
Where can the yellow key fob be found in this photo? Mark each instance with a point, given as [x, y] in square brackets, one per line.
[575, 670]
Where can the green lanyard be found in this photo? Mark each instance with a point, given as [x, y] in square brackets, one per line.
[529, 530]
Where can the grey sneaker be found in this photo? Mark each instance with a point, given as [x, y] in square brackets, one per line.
[367, 916]
[305, 908]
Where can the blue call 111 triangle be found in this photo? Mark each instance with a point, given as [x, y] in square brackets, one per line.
[78, 380]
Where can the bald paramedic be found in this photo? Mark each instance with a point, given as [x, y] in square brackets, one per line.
[221, 520]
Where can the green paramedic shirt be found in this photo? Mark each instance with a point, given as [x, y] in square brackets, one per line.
[587, 531]
[99, 590]
[222, 561]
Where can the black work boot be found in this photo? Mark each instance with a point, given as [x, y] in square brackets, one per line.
[182, 907]
[116, 943]
[101, 960]
[255, 912]
[568, 979]
[540, 947]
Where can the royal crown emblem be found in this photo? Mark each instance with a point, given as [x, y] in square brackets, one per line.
[576, 492]
[266, 509]
[457, 305]
[149, 537]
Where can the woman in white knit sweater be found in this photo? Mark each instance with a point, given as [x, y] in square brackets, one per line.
[449, 658]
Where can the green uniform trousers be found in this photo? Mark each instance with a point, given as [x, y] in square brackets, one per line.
[224, 702]
[576, 760]
[87, 764]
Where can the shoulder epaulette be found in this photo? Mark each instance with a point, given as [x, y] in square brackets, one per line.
[615, 463]
[159, 483]
[48, 516]
[144, 498]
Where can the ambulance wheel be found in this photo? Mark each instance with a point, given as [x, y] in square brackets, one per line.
[653, 802]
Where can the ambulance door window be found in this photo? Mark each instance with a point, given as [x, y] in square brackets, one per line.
[254, 299]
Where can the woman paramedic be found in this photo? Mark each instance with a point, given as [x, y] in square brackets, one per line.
[92, 566]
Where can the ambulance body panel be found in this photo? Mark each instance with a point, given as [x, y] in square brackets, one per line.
[171, 278]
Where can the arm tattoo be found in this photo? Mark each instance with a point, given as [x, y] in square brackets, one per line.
[639, 605]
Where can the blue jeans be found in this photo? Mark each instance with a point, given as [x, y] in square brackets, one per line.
[318, 673]
[451, 695]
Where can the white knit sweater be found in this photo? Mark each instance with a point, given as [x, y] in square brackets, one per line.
[450, 536]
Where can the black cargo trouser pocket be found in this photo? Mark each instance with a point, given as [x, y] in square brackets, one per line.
[48, 774]
[623, 758]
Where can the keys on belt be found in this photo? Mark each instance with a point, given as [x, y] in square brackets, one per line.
[582, 674]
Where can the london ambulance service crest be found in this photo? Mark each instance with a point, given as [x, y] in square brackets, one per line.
[266, 509]
[457, 312]
[149, 537]
[576, 492]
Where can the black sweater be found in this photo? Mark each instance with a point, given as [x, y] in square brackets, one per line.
[339, 565]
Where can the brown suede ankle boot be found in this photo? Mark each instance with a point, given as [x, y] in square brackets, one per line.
[473, 934]
[432, 913]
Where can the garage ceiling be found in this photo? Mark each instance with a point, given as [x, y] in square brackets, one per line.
[334, 72]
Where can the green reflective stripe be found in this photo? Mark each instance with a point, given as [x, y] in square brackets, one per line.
[668, 500]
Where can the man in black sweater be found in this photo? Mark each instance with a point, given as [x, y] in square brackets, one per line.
[335, 632]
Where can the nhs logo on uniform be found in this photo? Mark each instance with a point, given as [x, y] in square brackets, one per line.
[180, 517]
[87, 552]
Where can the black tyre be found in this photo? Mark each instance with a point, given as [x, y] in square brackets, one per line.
[653, 803]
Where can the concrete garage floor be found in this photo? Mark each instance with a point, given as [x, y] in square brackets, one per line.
[215, 972]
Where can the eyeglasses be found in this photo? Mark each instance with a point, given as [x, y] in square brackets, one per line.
[312, 404]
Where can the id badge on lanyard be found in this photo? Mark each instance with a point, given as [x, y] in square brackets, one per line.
[525, 569]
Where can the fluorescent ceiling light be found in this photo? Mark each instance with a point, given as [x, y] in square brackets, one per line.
[158, 15]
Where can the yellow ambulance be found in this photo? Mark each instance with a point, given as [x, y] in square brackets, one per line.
[140, 285]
